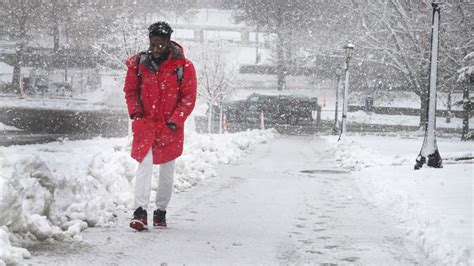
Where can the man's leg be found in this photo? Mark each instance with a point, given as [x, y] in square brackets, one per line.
[163, 195]
[142, 192]
[143, 181]
[165, 185]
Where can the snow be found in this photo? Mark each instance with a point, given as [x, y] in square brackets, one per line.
[259, 209]
[209, 16]
[51, 104]
[469, 57]
[57, 190]
[465, 73]
[433, 205]
[4, 127]
[6, 72]
[371, 118]
[9, 254]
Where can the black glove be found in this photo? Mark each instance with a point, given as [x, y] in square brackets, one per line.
[136, 115]
[171, 125]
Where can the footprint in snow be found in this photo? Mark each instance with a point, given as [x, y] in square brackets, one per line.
[314, 252]
[350, 259]
[324, 237]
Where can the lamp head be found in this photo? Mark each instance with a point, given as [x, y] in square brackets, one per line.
[349, 48]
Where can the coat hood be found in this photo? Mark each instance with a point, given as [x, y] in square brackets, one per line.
[176, 52]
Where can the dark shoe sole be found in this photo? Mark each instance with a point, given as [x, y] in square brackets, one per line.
[160, 225]
[138, 225]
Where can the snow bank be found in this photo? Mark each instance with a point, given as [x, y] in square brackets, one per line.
[4, 127]
[401, 120]
[57, 190]
[433, 205]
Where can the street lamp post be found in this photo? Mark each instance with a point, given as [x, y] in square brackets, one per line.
[335, 128]
[257, 56]
[429, 153]
[348, 48]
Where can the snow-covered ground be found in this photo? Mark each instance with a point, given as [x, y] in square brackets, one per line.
[398, 120]
[264, 208]
[4, 127]
[56, 190]
[435, 206]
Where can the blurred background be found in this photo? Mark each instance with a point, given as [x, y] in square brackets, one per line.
[62, 62]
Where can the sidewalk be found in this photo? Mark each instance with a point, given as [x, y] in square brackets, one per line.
[435, 206]
[263, 209]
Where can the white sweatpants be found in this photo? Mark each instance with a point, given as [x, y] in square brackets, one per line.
[143, 183]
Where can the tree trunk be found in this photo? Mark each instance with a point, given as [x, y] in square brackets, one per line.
[17, 68]
[210, 115]
[467, 105]
[280, 68]
[448, 107]
[56, 37]
[20, 48]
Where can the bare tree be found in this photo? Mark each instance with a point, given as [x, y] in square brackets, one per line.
[125, 37]
[456, 43]
[71, 24]
[396, 35]
[289, 20]
[21, 19]
[466, 79]
[216, 79]
[126, 32]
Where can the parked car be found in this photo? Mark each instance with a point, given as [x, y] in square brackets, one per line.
[276, 109]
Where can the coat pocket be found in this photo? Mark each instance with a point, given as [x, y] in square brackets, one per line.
[143, 135]
[168, 137]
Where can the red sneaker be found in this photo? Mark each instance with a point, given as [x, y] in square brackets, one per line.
[139, 221]
[159, 218]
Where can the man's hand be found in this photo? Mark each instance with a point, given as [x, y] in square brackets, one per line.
[171, 125]
[137, 115]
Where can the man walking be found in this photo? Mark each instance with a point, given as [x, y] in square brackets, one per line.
[160, 92]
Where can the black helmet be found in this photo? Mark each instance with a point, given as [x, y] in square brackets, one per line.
[160, 28]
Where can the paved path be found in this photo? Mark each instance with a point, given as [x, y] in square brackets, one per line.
[285, 203]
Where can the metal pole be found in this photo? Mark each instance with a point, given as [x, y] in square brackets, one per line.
[335, 129]
[67, 66]
[430, 148]
[257, 57]
[345, 100]
[67, 56]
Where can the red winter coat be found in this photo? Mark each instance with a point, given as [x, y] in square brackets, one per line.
[164, 99]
